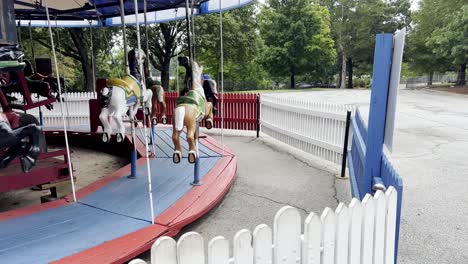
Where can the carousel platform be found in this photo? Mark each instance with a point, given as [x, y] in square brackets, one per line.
[111, 221]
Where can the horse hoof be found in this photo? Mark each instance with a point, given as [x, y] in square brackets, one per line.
[176, 157]
[154, 121]
[164, 120]
[192, 157]
[105, 137]
[27, 163]
[119, 137]
[209, 123]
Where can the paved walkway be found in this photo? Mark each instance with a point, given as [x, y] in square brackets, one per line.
[268, 179]
[430, 153]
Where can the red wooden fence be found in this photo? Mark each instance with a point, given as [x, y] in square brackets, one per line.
[241, 111]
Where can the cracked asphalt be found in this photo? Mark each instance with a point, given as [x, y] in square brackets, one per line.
[268, 179]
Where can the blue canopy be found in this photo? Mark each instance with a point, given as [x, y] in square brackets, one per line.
[82, 13]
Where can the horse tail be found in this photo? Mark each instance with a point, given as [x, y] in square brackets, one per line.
[179, 116]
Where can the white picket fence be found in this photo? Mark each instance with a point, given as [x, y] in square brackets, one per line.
[76, 108]
[314, 127]
[362, 233]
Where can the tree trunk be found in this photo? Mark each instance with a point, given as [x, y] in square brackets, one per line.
[431, 77]
[78, 39]
[87, 76]
[350, 73]
[461, 77]
[293, 81]
[343, 72]
[165, 73]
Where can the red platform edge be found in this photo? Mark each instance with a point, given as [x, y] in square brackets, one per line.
[189, 208]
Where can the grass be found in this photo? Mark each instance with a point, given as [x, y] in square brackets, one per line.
[282, 90]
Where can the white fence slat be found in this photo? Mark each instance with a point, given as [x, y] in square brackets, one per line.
[359, 234]
[243, 251]
[190, 249]
[391, 195]
[263, 244]
[328, 236]
[314, 127]
[312, 240]
[137, 261]
[355, 232]
[164, 251]
[218, 251]
[379, 231]
[368, 218]
[342, 233]
[287, 236]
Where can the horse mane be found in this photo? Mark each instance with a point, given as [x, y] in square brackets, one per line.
[197, 77]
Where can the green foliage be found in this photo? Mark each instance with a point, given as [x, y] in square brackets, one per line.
[297, 38]
[439, 39]
[242, 47]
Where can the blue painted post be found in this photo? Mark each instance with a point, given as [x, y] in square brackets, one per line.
[377, 111]
[133, 154]
[196, 167]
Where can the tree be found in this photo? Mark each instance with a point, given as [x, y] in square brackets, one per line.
[75, 43]
[354, 26]
[450, 40]
[438, 40]
[297, 39]
[166, 40]
[242, 47]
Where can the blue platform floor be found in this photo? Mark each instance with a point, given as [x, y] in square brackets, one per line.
[116, 209]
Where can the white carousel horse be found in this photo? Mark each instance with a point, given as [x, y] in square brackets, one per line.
[118, 97]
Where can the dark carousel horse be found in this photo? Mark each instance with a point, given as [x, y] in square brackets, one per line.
[13, 77]
[19, 136]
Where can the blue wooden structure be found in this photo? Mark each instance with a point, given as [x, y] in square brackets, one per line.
[368, 165]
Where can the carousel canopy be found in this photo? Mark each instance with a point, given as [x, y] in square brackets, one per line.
[80, 13]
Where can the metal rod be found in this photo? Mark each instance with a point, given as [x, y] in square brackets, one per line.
[345, 145]
[92, 55]
[258, 115]
[145, 6]
[32, 46]
[124, 34]
[20, 42]
[221, 40]
[192, 17]
[67, 146]
[187, 19]
[148, 166]
[196, 167]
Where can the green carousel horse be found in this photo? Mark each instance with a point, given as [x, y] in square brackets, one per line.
[191, 108]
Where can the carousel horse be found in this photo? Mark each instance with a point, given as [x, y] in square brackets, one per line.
[119, 96]
[158, 98]
[14, 129]
[12, 77]
[211, 93]
[191, 108]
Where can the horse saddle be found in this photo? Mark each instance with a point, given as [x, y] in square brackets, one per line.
[193, 97]
[131, 86]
